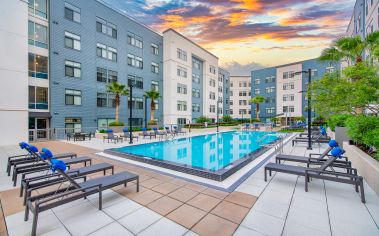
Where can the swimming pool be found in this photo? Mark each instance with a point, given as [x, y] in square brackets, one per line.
[209, 156]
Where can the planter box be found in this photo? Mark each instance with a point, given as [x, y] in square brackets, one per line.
[341, 135]
[117, 129]
[367, 166]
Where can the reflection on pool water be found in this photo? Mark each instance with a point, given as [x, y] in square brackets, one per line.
[212, 152]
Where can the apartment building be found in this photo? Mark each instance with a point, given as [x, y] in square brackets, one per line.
[284, 88]
[224, 78]
[365, 18]
[240, 94]
[92, 45]
[192, 87]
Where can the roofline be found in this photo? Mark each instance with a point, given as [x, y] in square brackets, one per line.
[197, 45]
[289, 64]
[240, 76]
[127, 16]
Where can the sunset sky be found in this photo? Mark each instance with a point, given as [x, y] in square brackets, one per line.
[248, 34]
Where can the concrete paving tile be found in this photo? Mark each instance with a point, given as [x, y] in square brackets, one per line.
[151, 183]
[263, 223]
[250, 189]
[164, 226]
[190, 233]
[183, 194]
[242, 199]
[230, 211]
[215, 193]
[146, 197]
[165, 188]
[164, 205]
[292, 228]
[113, 228]
[195, 187]
[139, 220]
[317, 220]
[214, 225]
[61, 231]
[186, 215]
[204, 202]
[243, 231]
[123, 208]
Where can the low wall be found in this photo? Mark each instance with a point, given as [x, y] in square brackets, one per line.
[367, 166]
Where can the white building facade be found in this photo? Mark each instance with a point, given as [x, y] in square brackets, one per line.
[191, 87]
[240, 94]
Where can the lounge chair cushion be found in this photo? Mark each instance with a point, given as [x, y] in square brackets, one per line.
[57, 165]
[108, 180]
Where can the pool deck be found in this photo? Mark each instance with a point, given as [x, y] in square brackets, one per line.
[167, 205]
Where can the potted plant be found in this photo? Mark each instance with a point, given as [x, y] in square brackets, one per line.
[116, 126]
[118, 90]
[153, 95]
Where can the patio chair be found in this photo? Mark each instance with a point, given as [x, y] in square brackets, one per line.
[301, 159]
[178, 130]
[39, 166]
[169, 131]
[30, 158]
[33, 183]
[111, 136]
[74, 190]
[351, 177]
[246, 127]
[127, 134]
[147, 134]
[318, 139]
[159, 133]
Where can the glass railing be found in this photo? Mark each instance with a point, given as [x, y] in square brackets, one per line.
[40, 75]
[37, 43]
[41, 106]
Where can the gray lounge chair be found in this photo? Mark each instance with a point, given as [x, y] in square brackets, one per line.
[159, 134]
[351, 177]
[33, 183]
[319, 139]
[30, 158]
[127, 134]
[147, 134]
[38, 165]
[178, 130]
[111, 136]
[73, 191]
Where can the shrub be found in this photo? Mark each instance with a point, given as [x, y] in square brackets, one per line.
[338, 120]
[319, 119]
[291, 130]
[115, 123]
[364, 130]
[227, 119]
[299, 118]
[103, 131]
[203, 119]
[152, 122]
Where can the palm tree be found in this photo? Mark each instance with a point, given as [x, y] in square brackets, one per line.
[153, 95]
[351, 48]
[118, 90]
[257, 100]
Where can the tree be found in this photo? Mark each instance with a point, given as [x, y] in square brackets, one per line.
[351, 49]
[227, 119]
[203, 119]
[153, 95]
[257, 100]
[118, 90]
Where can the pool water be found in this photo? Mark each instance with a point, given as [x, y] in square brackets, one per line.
[211, 152]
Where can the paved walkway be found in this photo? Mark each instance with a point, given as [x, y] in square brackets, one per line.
[170, 206]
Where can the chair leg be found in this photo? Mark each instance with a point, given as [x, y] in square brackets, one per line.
[21, 188]
[265, 175]
[363, 199]
[26, 216]
[100, 200]
[137, 184]
[306, 182]
[14, 179]
[35, 220]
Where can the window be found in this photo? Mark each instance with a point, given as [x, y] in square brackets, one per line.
[181, 71]
[38, 98]
[231, 103]
[329, 69]
[72, 69]
[245, 84]
[221, 77]
[231, 112]
[71, 40]
[181, 88]
[71, 12]
[195, 79]
[285, 75]
[196, 93]
[106, 52]
[314, 72]
[220, 90]
[231, 84]
[195, 107]
[196, 63]
[156, 104]
[135, 61]
[231, 93]
[111, 100]
[288, 86]
[135, 40]
[155, 85]
[101, 75]
[154, 67]
[212, 95]
[112, 76]
[212, 69]
[270, 100]
[154, 49]
[257, 91]
[137, 103]
[38, 7]
[242, 111]
[212, 108]
[270, 110]
[73, 97]
[270, 79]
[73, 125]
[257, 81]
[37, 35]
[242, 102]
[136, 81]
[102, 26]
[101, 100]
[182, 54]
[288, 97]
[212, 83]
[270, 89]
[288, 109]
[103, 123]
[38, 66]
[182, 106]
